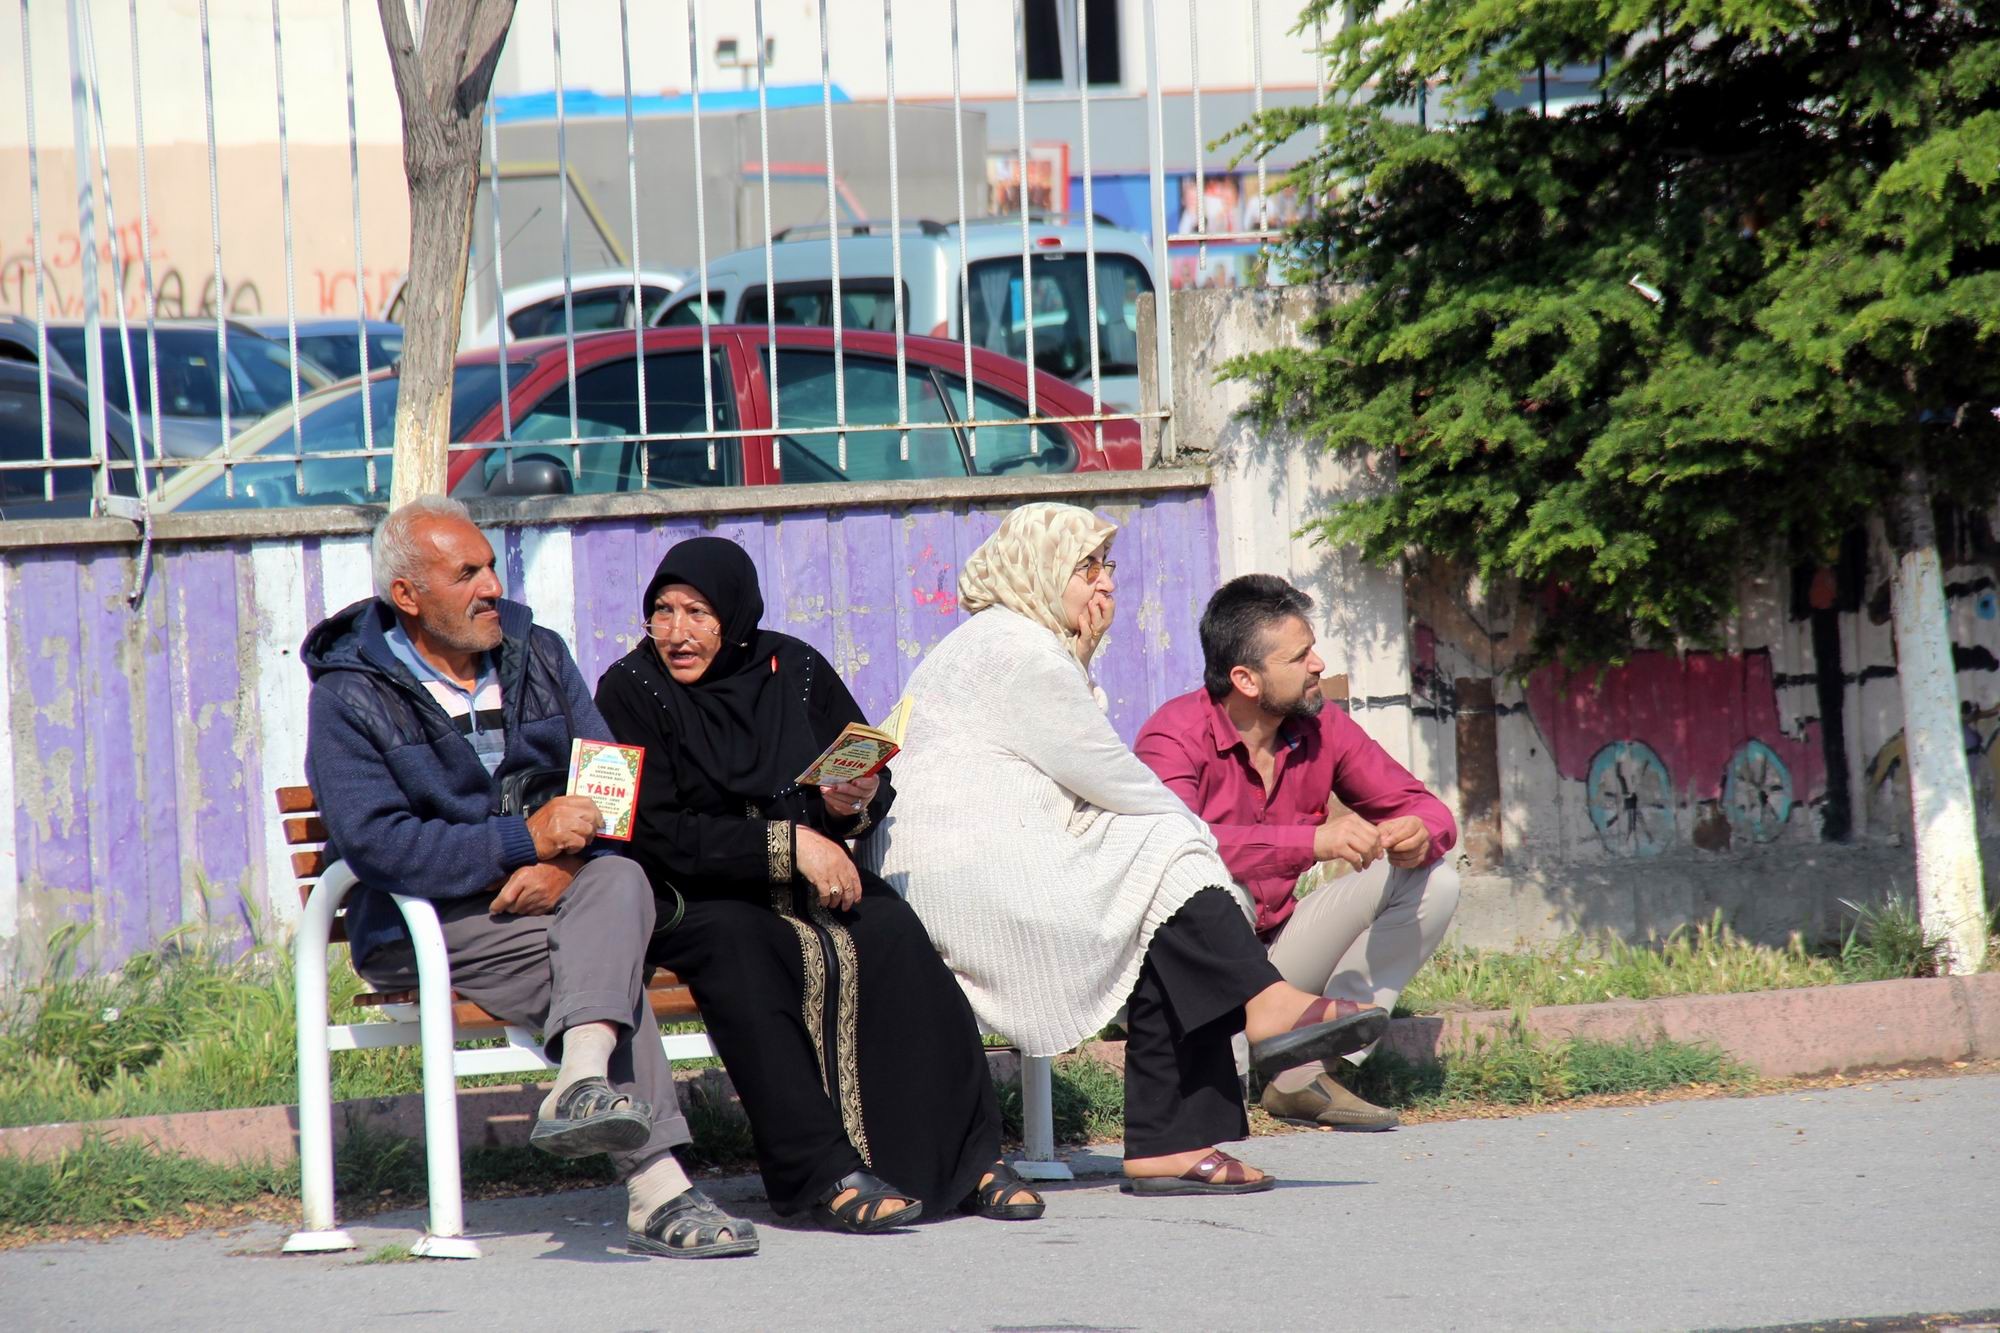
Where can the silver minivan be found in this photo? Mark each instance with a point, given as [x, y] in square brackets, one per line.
[997, 300]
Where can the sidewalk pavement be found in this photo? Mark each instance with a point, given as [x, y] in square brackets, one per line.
[1863, 1201]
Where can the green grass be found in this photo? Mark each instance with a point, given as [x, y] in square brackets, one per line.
[1882, 942]
[188, 1026]
[102, 1183]
[1088, 1097]
[1518, 1068]
[185, 1027]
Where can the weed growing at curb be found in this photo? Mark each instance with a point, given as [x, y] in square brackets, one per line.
[1887, 941]
[390, 1254]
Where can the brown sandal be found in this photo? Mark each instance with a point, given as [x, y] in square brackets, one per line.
[1217, 1173]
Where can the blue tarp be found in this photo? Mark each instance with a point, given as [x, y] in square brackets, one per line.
[584, 104]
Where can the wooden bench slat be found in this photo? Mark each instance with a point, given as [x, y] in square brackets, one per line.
[309, 865]
[296, 801]
[670, 1000]
[304, 830]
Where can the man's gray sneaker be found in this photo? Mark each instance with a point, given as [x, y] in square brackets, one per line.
[1324, 1102]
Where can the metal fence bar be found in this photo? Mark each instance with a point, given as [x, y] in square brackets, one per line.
[354, 181]
[215, 241]
[41, 282]
[701, 228]
[1156, 167]
[632, 194]
[1021, 157]
[291, 279]
[562, 214]
[770, 251]
[145, 250]
[499, 281]
[1089, 220]
[1257, 109]
[896, 238]
[833, 243]
[964, 273]
[1200, 144]
[101, 442]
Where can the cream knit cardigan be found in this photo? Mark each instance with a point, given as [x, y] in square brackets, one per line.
[1039, 851]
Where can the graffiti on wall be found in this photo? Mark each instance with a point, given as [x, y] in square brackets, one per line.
[180, 291]
[1666, 729]
[1797, 736]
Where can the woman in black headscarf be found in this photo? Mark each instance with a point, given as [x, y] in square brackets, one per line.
[853, 1049]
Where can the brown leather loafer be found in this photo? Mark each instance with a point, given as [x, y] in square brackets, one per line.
[1325, 1102]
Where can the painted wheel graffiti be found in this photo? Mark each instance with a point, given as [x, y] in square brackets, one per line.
[1631, 799]
[1757, 793]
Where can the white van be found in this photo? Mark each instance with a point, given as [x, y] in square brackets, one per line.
[802, 284]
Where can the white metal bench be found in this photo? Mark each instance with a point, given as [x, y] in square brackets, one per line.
[435, 1019]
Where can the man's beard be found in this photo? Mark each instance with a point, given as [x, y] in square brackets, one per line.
[461, 633]
[1308, 704]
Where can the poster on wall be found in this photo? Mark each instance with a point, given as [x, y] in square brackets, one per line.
[1227, 205]
[1048, 180]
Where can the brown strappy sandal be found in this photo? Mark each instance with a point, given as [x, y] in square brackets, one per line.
[1217, 1173]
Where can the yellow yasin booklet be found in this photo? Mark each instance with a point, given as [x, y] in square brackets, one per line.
[858, 750]
[609, 775]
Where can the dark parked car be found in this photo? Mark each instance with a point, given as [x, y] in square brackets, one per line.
[54, 492]
[333, 345]
[259, 379]
[607, 404]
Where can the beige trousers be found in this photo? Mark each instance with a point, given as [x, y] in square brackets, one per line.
[1362, 936]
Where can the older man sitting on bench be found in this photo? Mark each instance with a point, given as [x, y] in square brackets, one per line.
[426, 700]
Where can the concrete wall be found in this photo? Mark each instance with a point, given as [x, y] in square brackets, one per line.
[1763, 779]
[177, 221]
[142, 745]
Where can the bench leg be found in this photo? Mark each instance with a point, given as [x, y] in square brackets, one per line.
[315, 1078]
[1038, 1123]
[446, 1238]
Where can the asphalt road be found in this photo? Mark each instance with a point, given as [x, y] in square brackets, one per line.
[1859, 1202]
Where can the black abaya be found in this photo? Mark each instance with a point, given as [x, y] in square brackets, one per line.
[846, 1036]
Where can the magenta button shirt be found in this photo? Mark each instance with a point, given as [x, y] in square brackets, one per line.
[1267, 844]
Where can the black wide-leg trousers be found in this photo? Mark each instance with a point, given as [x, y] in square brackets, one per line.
[1181, 1088]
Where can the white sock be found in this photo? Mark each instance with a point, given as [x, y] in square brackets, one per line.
[652, 1185]
[586, 1054]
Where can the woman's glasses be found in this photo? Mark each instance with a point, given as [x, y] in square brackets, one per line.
[1091, 569]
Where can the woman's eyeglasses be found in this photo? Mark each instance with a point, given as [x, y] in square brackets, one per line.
[1093, 569]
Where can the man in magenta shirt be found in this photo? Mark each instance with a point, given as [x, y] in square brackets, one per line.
[1258, 757]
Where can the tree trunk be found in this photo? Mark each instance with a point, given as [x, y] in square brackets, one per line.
[440, 231]
[1950, 882]
[442, 78]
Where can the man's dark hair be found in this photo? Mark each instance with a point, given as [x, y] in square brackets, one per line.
[1235, 629]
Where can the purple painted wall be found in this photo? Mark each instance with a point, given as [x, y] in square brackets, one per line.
[143, 745]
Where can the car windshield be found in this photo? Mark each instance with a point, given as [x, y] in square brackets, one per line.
[259, 371]
[997, 312]
[329, 422]
[339, 354]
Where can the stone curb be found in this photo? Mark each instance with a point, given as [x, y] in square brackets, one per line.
[1779, 1034]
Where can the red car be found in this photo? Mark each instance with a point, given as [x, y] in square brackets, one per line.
[606, 404]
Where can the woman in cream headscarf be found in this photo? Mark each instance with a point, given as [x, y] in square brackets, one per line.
[1061, 880]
